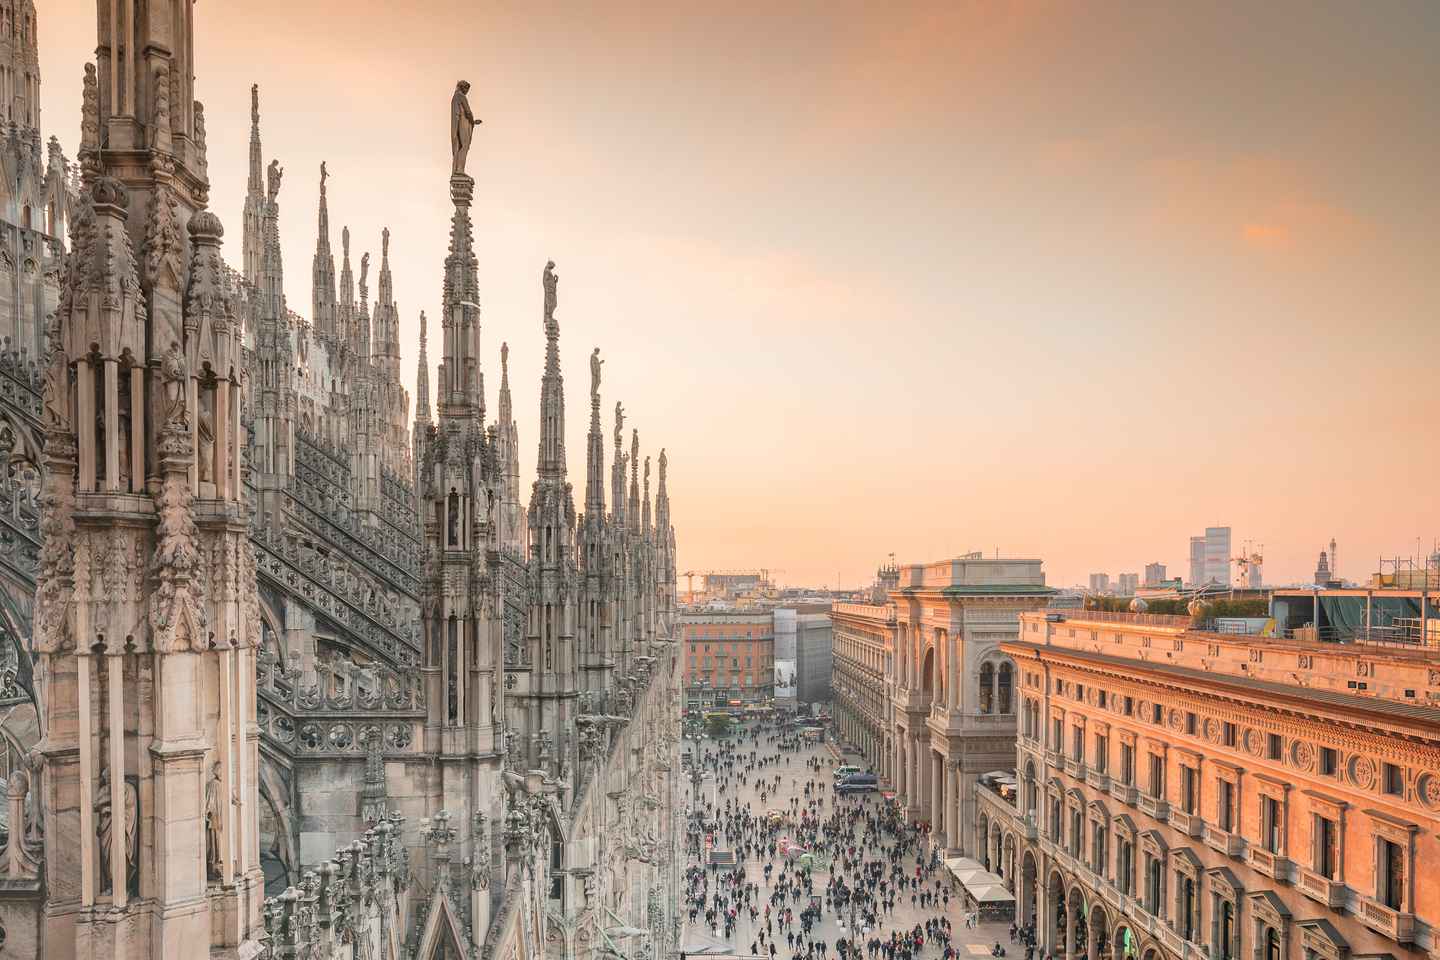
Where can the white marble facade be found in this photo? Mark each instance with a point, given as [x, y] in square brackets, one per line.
[311, 682]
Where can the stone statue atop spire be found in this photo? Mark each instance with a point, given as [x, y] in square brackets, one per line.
[272, 179]
[595, 364]
[462, 128]
[619, 424]
[551, 280]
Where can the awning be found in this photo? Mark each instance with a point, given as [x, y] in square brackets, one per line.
[991, 893]
[963, 868]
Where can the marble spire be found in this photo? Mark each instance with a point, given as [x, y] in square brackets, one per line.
[345, 300]
[422, 378]
[323, 270]
[633, 510]
[595, 447]
[253, 224]
[552, 388]
[462, 384]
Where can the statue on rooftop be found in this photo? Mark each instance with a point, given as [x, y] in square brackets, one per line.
[551, 281]
[595, 364]
[462, 127]
[272, 179]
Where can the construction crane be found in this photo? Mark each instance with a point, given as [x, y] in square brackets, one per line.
[1248, 558]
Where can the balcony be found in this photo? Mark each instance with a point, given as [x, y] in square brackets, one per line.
[1273, 865]
[1076, 768]
[1321, 888]
[1124, 792]
[1230, 844]
[1055, 759]
[1097, 779]
[1190, 824]
[1398, 926]
[1154, 807]
[1027, 824]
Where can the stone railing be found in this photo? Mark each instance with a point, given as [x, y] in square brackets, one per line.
[1316, 886]
[22, 382]
[384, 625]
[335, 714]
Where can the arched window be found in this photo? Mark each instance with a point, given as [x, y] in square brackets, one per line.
[1004, 686]
[987, 688]
[1272, 944]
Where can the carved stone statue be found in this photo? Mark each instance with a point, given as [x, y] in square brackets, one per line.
[272, 179]
[551, 281]
[57, 390]
[172, 371]
[595, 364]
[105, 828]
[364, 275]
[214, 816]
[324, 175]
[206, 430]
[663, 463]
[619, 423]
[462, 128]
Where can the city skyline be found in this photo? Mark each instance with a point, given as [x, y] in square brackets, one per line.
[1042, 210]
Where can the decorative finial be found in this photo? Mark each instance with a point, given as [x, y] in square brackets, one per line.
[385, 243]
[504, 359]
[422, 328]
[254, 104]
[345, 241]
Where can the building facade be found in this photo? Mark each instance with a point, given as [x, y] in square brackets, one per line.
[310, 683]
[951, 688]
[728, 658]
[864, 649]
[1154, 574]
[1184, 794]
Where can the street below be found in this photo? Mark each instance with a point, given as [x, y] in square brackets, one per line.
[811, 865]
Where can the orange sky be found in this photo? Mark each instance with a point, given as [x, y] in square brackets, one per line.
[1070, 280]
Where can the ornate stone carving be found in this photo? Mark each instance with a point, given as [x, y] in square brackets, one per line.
[178, 614]
[480, 844]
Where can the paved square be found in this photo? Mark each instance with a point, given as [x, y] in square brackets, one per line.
[739, 785]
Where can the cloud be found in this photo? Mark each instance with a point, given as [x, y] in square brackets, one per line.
[1254, 202]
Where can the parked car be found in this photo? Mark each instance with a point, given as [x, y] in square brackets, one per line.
[858, 783]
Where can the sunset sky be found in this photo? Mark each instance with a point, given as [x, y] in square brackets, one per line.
[1069, 280]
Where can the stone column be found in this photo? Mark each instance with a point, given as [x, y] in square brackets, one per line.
[952, 822]
[1069, 932]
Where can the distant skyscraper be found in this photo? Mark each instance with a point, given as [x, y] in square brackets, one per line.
[1197, 561]
[1217, 555]
[1099, 583]
[1129, 583]
[1154, 573]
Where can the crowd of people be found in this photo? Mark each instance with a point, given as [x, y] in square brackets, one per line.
[804, 853]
